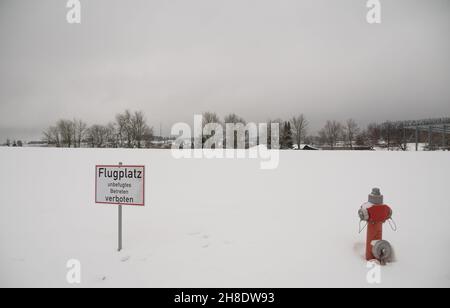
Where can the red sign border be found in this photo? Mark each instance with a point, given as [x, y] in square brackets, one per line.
[123, 166]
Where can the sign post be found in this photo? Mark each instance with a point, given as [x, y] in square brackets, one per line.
[120, 228]
[120, 223]
[120, 185]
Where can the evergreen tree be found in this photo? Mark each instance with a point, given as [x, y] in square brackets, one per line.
[286, 139]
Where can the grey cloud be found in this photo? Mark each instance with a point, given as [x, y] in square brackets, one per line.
[258, 58]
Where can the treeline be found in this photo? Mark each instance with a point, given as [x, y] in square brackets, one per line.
[128, 130]
[389, 135]
[349, 135]
[289, 131]
[14, 143]
[294, 133]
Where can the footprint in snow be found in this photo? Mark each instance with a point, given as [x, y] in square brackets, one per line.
[125, 259]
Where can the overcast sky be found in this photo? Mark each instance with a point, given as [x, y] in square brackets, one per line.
[259, 58]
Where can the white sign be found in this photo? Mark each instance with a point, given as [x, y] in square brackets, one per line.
[120, 185]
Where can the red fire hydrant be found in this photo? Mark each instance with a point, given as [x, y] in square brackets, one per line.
[375, 213]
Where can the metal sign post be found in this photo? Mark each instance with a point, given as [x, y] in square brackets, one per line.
[120, 228]
[120, 222]
[120, 185]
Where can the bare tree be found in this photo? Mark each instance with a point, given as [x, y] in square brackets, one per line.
[234, 119]
[238, 140]
[299, 127]
[80, 129]
[351, 130]
[398, 136]
[209, 118]
[66, 130]
[387, 129]
[309, 139]
[332, 132]
[322, 138]
[141, 132]
[97, 136]
[362, 139]
[120, 122]
[113, 138]
[148, 137]
[125, 129]
[272, 136]
[374, 134]
[52, 136]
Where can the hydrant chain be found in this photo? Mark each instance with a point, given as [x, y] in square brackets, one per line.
[361, 230]
[392, 224]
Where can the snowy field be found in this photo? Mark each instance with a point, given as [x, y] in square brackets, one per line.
[222, 223]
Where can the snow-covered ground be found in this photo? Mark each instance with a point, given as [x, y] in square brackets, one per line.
[222, 223]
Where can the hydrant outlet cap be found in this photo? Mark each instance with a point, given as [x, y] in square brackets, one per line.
[376, 197]
[363, 214]
[382, 250]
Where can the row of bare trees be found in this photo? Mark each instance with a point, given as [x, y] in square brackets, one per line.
[66, 133]
[295, 131]
[14, 143]
[391, 135]
[334, 134]
[291, 131]
[129, 130]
